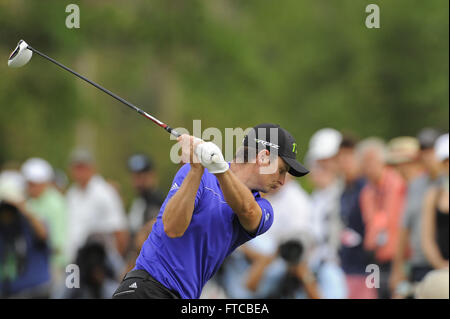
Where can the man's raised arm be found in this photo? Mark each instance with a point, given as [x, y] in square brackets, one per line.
[236, 194]
[178, 211]
[241, 200]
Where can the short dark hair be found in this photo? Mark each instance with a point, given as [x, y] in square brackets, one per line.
[427, 137]
[349, 140]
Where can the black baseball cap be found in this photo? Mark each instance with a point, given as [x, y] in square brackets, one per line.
[138, 163]
[273, 137]
[427, 137]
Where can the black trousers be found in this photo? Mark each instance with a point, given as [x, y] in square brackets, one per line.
[138, 284]
[385, 271]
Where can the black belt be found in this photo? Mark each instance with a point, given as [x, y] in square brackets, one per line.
[142, 274]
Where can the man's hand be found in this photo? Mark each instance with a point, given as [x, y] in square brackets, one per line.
[188, 145]
[211, 157]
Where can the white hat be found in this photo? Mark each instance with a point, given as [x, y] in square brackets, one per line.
[37, 170]
[324, 144]
[12, 186]
[434, 285]
[441, 147]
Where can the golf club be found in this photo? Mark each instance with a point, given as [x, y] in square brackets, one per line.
[23, 53]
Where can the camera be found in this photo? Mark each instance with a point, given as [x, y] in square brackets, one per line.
[291, 251]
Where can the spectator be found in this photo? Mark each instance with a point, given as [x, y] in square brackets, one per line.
[94, 208]
[353, 257]
[279, 257]
[292, 240]
[240, 265]
[24, 253]
[96, 273]
[260, 268]
[427, 138]
[48, 205]
[326, 226]
[145, 206]
[435, 232]
[279, 270]
[420, 169]
[382, 202]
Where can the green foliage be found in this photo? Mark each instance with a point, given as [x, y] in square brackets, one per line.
[303, 64]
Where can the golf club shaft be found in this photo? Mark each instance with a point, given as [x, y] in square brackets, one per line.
[141, 112]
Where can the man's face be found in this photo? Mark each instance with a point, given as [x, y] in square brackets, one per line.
[35, 189]
[143, 180]
[81, 173]
[429, 160]
[347, 162]
[272, 174]
[373, 164]
[322, 173]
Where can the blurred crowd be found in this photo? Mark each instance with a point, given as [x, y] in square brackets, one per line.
[47, 225]
[374, 226]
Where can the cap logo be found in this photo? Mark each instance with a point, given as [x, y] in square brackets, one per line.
[265, 143]
[294, 148]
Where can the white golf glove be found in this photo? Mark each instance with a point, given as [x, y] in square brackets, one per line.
[210, 156]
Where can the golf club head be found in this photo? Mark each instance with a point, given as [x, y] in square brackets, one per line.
[20, 56]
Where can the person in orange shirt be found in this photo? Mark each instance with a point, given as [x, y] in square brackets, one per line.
[382, 202]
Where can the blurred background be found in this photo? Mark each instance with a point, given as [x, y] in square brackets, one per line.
[306, 65]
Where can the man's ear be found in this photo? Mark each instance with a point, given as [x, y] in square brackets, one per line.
[263, 158]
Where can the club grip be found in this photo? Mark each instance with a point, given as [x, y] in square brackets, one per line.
[172, 131]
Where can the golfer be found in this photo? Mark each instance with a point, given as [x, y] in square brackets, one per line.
[209, 212]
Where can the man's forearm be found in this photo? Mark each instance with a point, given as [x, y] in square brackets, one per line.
[178, 212]
[241, 200]
[122, 237]
[308, 279]
[257, 271]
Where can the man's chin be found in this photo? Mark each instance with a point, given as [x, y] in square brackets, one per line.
[269, 189]
[261, 190]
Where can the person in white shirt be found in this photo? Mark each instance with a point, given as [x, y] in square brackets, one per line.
[95, 208]
[293, 207]
[291, 227]
[326, 224]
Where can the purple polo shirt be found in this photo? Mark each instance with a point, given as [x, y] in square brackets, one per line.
[186, 263]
